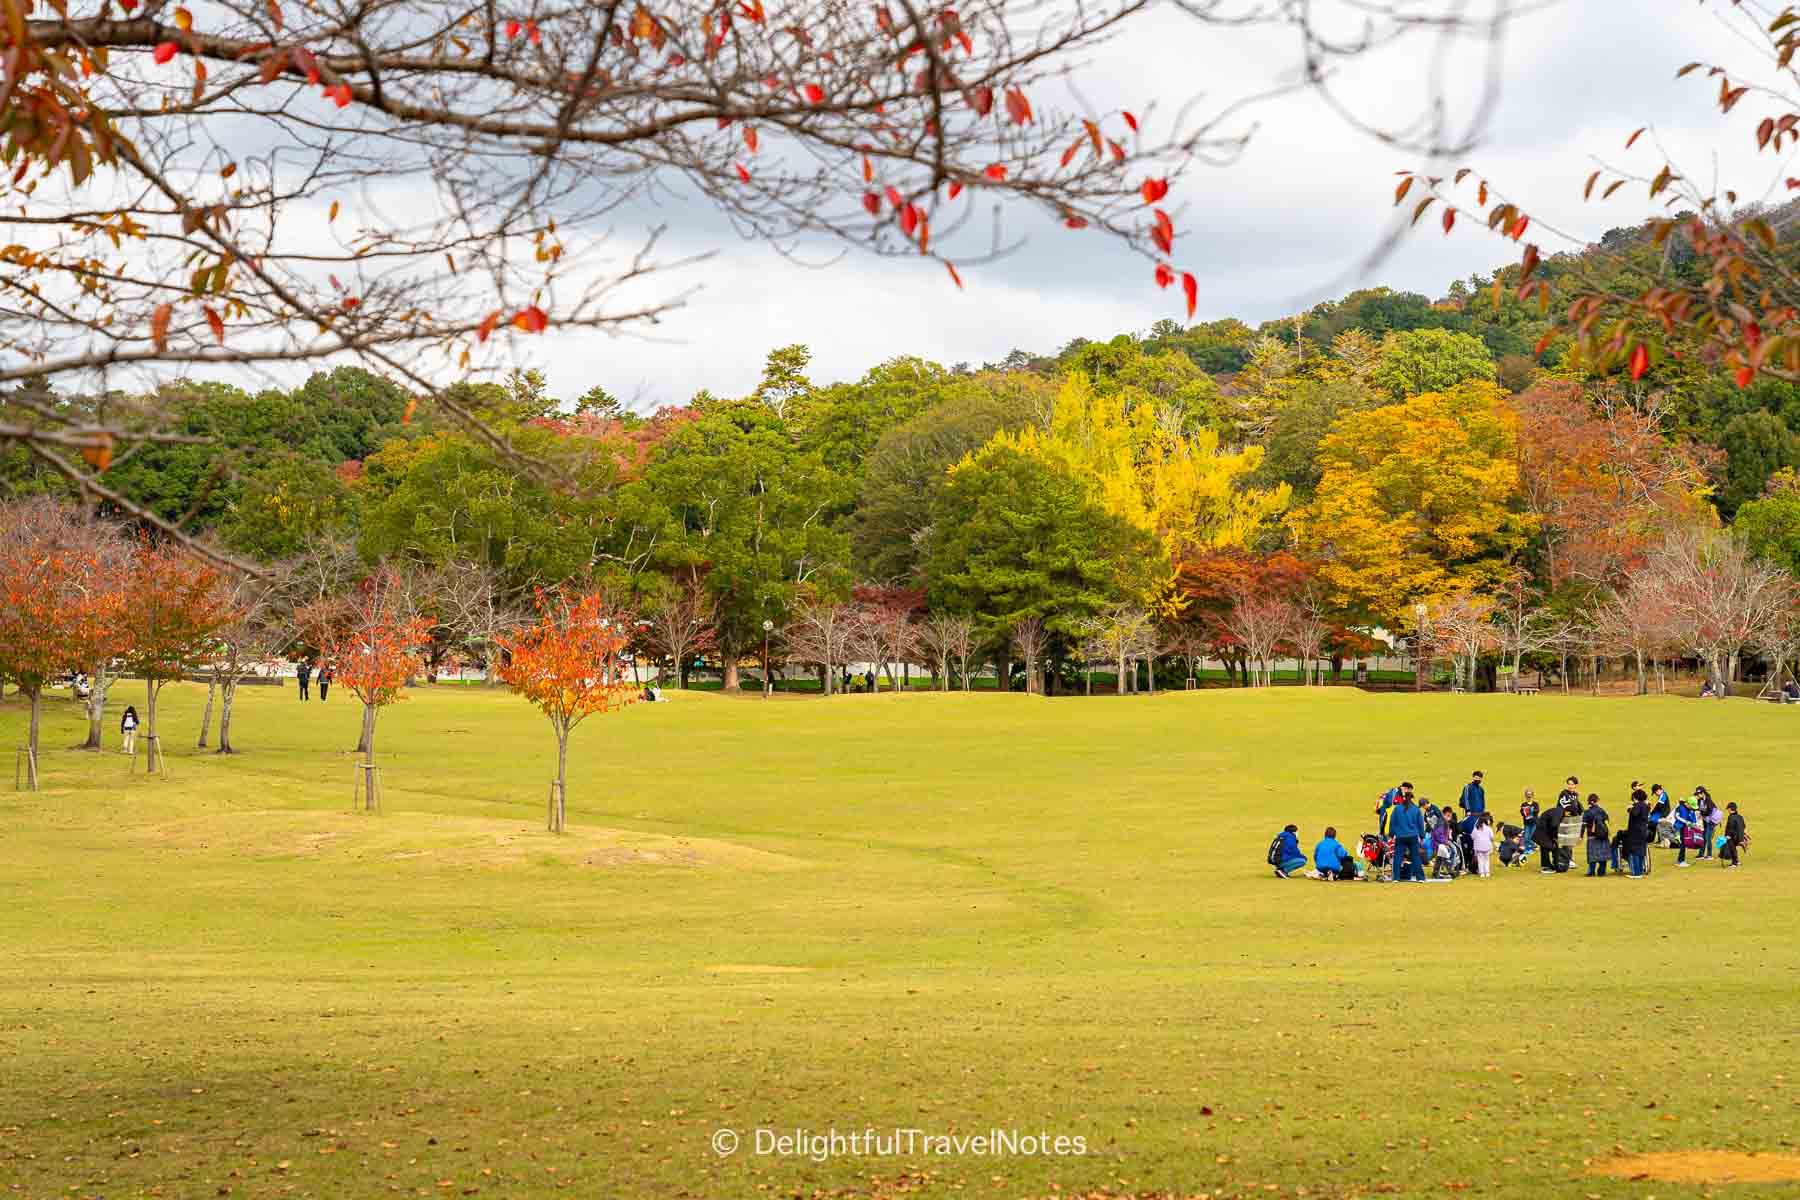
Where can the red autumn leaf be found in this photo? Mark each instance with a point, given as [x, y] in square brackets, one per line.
[1640, 360]
[893, 196]
[164, 51]
[159, 325]
[1745, 376]
[814, 93]
[1160, 238]
[996, 171]
[537, 39]
[1118, 151]
[872, 204]
[531, 320]
[303, 58]
[1075, 222]
[1164, 276]
[1752, 334]
[1018, 107]
[884, 20]
[218, 325]
[1131, 121]
[750, 137]
[350, 302]
[924, 233]
[128, 5]
[513, 28]
[1191, 287]
[981, 99]
[1519, 227]
[955, 188]
[1542, 345]
[487, 326]
[1069, 154]
[1449, 219]
[743, 175]
[340, 94]
[909, 219]
[868, 170]
[954, 277]
[1154, 190]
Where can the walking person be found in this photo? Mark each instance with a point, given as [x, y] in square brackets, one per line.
[325, 677]
[303, 673]
[1734, 835]
[128, 727]
[1594, 827]
[1482, 839]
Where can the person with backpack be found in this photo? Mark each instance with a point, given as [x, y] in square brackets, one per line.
[128, 727]
[1474, 799]
[1734, 835]
[1407, 823]
[303, 673]
[1598, 832]
[325, 678]
[1284, 852]
[1390, 798]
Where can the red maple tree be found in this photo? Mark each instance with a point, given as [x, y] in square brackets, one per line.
[570, 665]
[370, 642]
[173, 608]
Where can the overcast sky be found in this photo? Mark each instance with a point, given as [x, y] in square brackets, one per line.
[1290, 223]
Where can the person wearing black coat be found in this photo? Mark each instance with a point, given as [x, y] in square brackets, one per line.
[1638, 832]
[1734, 834]
[303, 673]
[1549, 823]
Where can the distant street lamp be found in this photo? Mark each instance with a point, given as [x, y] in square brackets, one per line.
[767, 686]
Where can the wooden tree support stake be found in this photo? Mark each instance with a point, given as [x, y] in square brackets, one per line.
[25, 772]
[154, 762]
[367, 796]
[558, 807]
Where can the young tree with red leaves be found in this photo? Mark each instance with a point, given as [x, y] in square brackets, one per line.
[174, 605]
[371, 641]
[60, 600]
[569, 664]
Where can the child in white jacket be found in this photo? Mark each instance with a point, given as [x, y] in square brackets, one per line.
[1482, 839]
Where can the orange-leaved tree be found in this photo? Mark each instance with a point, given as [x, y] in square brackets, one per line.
[60, 601]
[570, 664]
[174, 604]
[370, 641]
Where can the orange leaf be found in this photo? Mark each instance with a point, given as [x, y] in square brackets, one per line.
[218, 325]
[1118, 151]
[341, 94]
[1632, 140]
[164, 51]
[1640, 360]
[411, 406]
[750, 137]
[1449, 219]
[954, 277]
[1745, 376]
[924, 233]
[1093, 132]
[1191, 287]
[487, 326]
[159, 325]
[184, 20]
[530, 320]
[868, 170]
[893, 196]
[1018, 107]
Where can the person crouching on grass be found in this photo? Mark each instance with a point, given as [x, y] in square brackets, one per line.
[1331, 858]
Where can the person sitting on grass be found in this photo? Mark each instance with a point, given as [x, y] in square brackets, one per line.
[1285, 853]
[1512, 845]
[1331, 858]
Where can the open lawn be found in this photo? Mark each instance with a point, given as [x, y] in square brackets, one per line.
[949, 913]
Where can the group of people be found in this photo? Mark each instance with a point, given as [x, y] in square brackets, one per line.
[304, 674]
[1415, 831]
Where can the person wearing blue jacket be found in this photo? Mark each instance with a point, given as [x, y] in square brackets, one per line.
[1331, 857]
[1407, 824]
[1288, 858]
[1685, 819]
[1474, 799]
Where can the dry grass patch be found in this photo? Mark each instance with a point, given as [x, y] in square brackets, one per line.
[1703, 1166]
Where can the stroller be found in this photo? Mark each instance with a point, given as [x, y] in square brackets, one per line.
[1447, 859]
[1378, 853]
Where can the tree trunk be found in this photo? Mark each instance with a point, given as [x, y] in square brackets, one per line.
[212, 687]
[559, 805]
[366, 743]
[1119, 688]
[965, 674]
[227, 693]
[1593, 674]
[37, 707]
[731, 674]
[1005, 680]
[1151, 663]
[1643, 677]
[1564, 672]
[96, 706]
[489, 676]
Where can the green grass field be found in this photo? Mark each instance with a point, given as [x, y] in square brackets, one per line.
[949, 913]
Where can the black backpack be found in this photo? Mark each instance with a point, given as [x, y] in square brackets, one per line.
[1275, 851]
